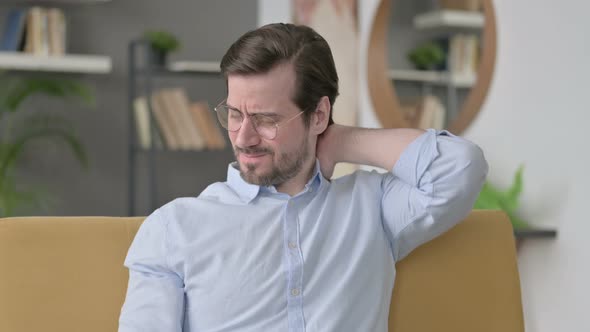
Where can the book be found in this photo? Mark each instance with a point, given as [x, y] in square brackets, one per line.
[218, 133]
[36, 31]
[202, 118]
[56, 31]
[13, 35]
[178, 108]
[432, 113]
[143, 122]
[166, 123]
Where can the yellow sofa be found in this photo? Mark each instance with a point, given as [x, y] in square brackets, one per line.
[66, 274]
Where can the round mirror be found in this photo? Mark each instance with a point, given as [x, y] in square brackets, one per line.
[430, 63]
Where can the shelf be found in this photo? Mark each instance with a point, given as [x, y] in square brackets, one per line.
[142, 72]
[183, 68]
[449, 19]
[432, 77]
[534, 233]
[53, 2]
[91, 64]
[195, 66]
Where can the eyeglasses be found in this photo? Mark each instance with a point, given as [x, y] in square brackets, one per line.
[231, 119]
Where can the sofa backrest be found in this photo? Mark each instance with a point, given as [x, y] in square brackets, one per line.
[63, 274]
[466, 280]
[66, 274]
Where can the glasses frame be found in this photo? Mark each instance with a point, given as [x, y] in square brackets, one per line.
[223, 103]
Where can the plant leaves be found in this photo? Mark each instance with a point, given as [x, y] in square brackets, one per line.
[41, 126]
[13, 201]
[492, 198]
[489, 198]
[513, 193]
[17, 91]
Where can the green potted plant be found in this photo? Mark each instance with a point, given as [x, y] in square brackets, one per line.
[162, 43]
[427, 56]
[20, 129]
[493, 198]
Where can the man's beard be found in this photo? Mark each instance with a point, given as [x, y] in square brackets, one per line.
[285, 168]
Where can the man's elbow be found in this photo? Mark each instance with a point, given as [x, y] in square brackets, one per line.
[456, 192]
[476, 169]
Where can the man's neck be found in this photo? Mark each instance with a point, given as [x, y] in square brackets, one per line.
[297, 183]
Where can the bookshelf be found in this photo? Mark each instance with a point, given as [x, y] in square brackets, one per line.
[142, 77]
[441, 92]
[34, 38]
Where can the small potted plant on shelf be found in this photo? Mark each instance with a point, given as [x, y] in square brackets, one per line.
[162, 43]
[428, 56]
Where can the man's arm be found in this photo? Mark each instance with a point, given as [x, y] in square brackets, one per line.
[374, 147]
[434, 180]
[155, 294]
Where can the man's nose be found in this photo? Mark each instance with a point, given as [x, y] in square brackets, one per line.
[247, 135]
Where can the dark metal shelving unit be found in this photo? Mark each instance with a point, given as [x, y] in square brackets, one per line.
[141, 68]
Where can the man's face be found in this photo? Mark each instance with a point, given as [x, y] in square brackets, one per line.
[265, 161]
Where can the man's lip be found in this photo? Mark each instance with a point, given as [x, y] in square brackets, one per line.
[248, 155]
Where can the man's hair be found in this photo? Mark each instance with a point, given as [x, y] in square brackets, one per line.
[259, 51]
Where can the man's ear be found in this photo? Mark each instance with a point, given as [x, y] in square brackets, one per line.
[321, 117]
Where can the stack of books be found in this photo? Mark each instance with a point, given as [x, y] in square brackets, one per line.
[180, 124]
[35, 30]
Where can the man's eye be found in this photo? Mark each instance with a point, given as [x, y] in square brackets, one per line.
[264, 121]
[234, 115]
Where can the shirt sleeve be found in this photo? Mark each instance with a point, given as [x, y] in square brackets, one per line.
[431, 188]
[155, 294]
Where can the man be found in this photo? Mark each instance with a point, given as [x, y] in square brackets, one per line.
[279, 247]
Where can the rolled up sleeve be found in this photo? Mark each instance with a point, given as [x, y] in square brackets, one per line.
[431, 188]
[155, 293]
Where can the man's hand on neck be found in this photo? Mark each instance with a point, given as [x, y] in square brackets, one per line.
[373, 147]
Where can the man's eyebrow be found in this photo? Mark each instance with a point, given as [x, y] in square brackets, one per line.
[232, 107]
[270, 114]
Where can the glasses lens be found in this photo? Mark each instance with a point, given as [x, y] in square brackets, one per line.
[221, 111]
[229, 118]
[234, 119]
[265, 126]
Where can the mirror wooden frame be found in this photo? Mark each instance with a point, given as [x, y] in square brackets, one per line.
[382, 91]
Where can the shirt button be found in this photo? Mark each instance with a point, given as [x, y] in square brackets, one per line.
[295, 291]
[292, 245]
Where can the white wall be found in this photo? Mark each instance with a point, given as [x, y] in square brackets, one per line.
[273, 11]
[537, 114]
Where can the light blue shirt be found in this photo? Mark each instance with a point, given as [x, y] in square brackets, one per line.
[241, 257]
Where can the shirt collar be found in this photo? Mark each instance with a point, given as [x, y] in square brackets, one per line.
[245, 190]
[248, 191]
